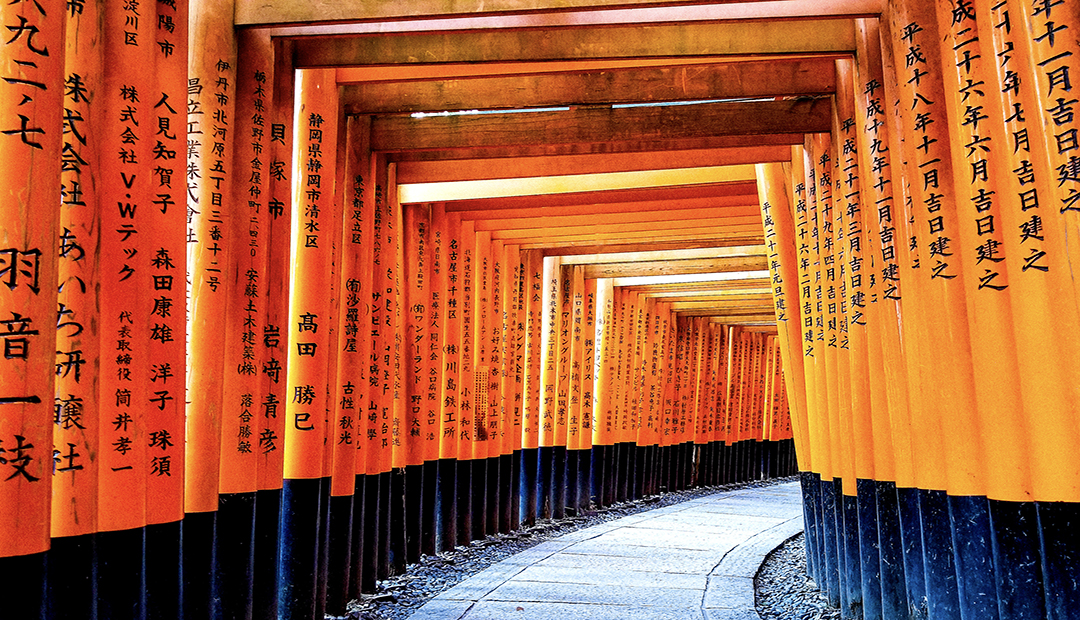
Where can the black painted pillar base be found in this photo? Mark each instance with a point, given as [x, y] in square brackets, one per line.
[491, 521]
[1058, 524]
[505, 491]
[398, 522]
[910, 522]
[810, 491]
[969, 518]
[869, 555]
[235, 554]
[479, 498]
[852, 562]
[371, 545]
[22, 585]
[265, 578]
[573, 502]
[339, 557]
[324, 547]
[414, 516]
[829, 538]
[357, 547]
[71, 582]
[464, 502]
[515, 490]
[428, 519]
[387, 527]
[1015, 538]
[558, 482]
[545, 497]
[585, 493]
[938, 561]
[446, 504]
[529, 468]
[198, 532]
[300, 511]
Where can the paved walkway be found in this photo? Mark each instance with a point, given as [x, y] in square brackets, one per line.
[694, 560]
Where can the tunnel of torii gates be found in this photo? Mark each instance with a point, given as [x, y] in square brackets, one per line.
[400, 332]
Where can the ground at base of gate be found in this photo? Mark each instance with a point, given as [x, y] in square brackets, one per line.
[693, 560]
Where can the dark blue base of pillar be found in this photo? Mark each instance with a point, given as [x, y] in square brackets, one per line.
[236, 554]
[339, 561]
[939, 567]
[198, 533]
[1015, 541]
[428, 520]
[265, 582]
[300, 513]
[1058, 524]
[869, 549]
[446, 504]
[529, 467]
[71, 581]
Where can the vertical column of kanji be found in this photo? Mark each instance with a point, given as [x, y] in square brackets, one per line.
[435, 325]
[32, 61]
[443, 359]
[498, 518]
[514, 384]
[576, 451]
[354, 352]
[533, 265]
[1049, 51]
[272, 346]
[1036, 254]
[846, 204]
[722, 348]
[778, 221]
[478, 379]
[242, 281]
[707, 399]
[997, 415]
[548, 316]
[950, 387]
[430, 325]
[807, 344]
[666, 438]
[650, 373]
[637, 396]
[604, 370]
[561, 469]
[211, 62]
[448, 283]
[409, 445]
[167, 221]
[77, 427]
[380, 404]
[308, 337]
[734, 394]
[811, 165]
[877, 88]
[586, 410]
[395, 527]
[679, 374]
[76, 431]
[125, 387]
[466, 387]
[620, 398]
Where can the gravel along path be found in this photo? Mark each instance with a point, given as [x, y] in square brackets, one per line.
[399, 596]
[784, 591]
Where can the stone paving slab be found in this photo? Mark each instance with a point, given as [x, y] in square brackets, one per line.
[691, 561]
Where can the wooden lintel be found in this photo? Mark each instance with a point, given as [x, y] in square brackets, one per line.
[732, 319]
[660, 40]
[617, 245]
[657, 268]
[762, 78]
[592, 125]
[475, 169]
[632, 231]
[656, 219]
[699, 238]
[259, 12]
[722, 285]
[600, 148]
[738, 190]
[673, 207]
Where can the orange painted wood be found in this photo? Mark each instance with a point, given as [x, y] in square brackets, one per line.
[533, 265]
[604, 365]
[587, 413]
[551, 305]
[354, 378]
[467, 386]
[75, 433]
[448, 228]
[127, 325]
[30, 148]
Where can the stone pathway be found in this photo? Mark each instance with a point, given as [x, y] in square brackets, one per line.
[695, 560]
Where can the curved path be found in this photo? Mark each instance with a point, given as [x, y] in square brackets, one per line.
[694, 561]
